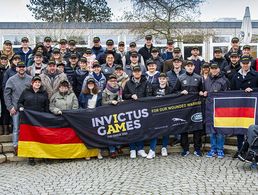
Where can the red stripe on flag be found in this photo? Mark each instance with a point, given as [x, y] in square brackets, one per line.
[235, 112]
[48, 135]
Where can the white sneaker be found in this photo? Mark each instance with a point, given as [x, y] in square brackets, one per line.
[132, 154]
[87, 158]
[100, 157]
[164, 152]
[142, 153]
[151, 154]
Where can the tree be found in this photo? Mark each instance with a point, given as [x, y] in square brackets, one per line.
[70, 10]
[159, 17]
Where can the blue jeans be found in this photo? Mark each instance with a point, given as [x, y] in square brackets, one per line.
[240, 140]
[113, 148]
[153, 142]
[217, 141]
[136, 146]
[16, 128]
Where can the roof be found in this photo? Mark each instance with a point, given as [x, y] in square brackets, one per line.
[116, 25]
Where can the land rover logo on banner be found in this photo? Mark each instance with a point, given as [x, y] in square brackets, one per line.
[197, 117]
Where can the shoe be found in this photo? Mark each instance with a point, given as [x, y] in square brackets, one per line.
[151, 154]
[132, 154]
[31, 162]
[164, 151]
[236, 155]
[48, 161]
[176, 141]
[211, 153]
[198, 153]
[120, 151]
[113, 155]
[185, 153]
[221, 154]
[142, 153]
[87, 158]
[100, 157]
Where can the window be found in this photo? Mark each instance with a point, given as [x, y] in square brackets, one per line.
[81, 40]
[15, 39]
[193, 39]
[223, 48]
[220, 39]
[104, 38]
[187, 51]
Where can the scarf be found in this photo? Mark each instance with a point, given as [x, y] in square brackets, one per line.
[112, 89]
[97, 77]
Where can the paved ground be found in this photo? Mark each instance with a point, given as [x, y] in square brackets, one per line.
[171, 175]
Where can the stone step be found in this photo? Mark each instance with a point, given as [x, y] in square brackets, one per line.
[5, 138]
[6, 147]
[10, 157]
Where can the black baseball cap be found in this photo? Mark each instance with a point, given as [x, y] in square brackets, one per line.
[95, 64]
[64, 83]
[214, 65]
[137, 68]
[24, 39]
[3, 56]
[109, 42]
[245, 59]
[195, 47]
[234, 39]
[96, 39]
[7, 42]
[73, 55]
[234, 54]
[179, 59]
[119, 67]
[56, 50]
[189, 63]
[205, 65]
[47, 39]
[177, 50]
[170, 42]
[163, 75]
[154, 50]
[246, 47]
[63, 41]
[88, 51]
[60, 64]
[91, 80]
[112, 76]
[72, 42]
[134, 54]
[39, 54]
[121, 43]
[150, 61]
[51, 62]
[83, 59]
[21, 64]
[217, 50]
[132, 44]
[16, 57]
[36, 78]
[148, 37]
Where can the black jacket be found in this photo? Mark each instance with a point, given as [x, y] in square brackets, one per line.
[241, 83]
[70, 72]
[231, 70]
[157, 91]
[68, 54]
[102, 58]
[141, 89]
[222, 62]
[2, 72]
[79, 77]
[34, 101]
[8, 73]
[145, 52]
[189, 82]
[216, 83]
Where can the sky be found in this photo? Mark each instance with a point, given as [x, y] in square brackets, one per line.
[16, 10]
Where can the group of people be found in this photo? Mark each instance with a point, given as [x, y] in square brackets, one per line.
[50, 79]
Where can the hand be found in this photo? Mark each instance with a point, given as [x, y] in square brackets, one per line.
[201, 93]
[21, 109]
[59, 112]
[205, 94]
[134, 96]
[248, 89]
[184, 92]
[12, 111]
[114, 102]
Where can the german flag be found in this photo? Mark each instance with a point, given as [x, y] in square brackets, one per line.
[237, 112]
[43, 135]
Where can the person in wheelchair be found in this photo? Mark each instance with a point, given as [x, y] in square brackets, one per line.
[249, 150]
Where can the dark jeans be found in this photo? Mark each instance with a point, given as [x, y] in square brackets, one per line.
[197, 139]
[240, 140]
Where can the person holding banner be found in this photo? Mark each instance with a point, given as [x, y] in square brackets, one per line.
[215, 82]
[112, 95]
[190, 82]
[64, 99]
[160, 90]
[34, 98]
[245, 79]
[137, 87]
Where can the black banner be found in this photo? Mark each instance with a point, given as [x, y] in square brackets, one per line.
[134, 121]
